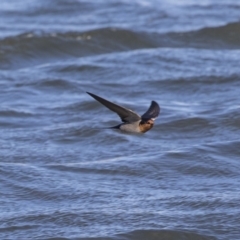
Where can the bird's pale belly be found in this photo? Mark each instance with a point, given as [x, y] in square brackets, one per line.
[131, 127]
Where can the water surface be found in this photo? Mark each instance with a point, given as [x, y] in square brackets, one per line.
[64, 177]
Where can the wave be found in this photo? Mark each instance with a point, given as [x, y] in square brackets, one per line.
[164, 235]
[36, 48]
[222, 37]
[14, 113]
[150, 235]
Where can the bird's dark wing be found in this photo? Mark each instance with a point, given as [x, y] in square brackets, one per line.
[125, 114]
[152, 112]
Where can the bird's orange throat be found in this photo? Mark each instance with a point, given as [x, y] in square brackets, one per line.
[145, 126]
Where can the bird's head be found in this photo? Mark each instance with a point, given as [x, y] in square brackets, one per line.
[146, 124]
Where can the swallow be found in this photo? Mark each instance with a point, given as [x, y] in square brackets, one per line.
[131, 121]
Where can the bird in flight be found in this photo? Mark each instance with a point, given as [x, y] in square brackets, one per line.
[131, 121]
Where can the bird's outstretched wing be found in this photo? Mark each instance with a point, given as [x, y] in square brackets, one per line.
[152, 112]
[125, 114]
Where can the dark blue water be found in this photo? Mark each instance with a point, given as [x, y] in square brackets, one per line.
[64, 177]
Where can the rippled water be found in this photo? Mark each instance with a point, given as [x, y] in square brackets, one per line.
[62, 176]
